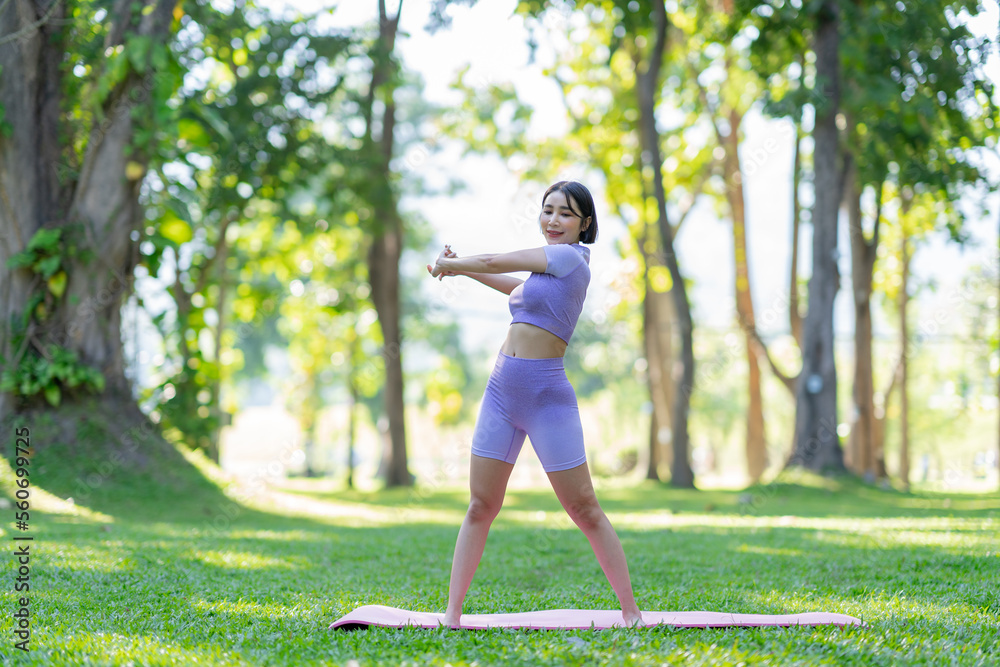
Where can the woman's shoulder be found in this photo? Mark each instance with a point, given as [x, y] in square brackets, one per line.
[569, 249]
[563, 258]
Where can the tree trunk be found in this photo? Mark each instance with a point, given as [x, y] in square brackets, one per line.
[87, 318]
[658, 337]
[878, 440]
[816, 444]
[314, 401]
[794, 315]
[663, 330]
[383, 261]
[756, 444]
[861, 445]
[663, 307]
[352, 406]
[904, 341]
[647, 87]
[29, 188]
[222, 250]
[878, 422]
[385, 250]
[653, 463]
[654, 381]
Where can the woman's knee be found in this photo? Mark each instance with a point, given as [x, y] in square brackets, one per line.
[586, 512]
[483, 509]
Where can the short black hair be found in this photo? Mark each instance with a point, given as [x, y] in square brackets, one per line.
[579, 194]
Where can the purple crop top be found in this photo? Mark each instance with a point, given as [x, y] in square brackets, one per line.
[553, 300]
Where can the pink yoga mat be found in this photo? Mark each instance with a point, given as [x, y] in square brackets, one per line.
[580, 619]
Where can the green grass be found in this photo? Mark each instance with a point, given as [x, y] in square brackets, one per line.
[165, 568]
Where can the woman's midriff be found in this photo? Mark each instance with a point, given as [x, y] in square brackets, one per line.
[531, 342]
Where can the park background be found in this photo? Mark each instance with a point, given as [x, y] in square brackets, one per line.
[249, 400]
[495, 212]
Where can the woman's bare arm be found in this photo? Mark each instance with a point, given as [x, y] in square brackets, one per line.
[532, 259]
[498, 281]
[491, 267]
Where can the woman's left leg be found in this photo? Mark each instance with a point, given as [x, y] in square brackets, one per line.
[575, 491]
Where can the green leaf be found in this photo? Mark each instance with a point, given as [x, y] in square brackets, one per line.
[215, 121]
[114, 73]
[137, 49]
[33, 301]
[158, 57]
[174, 229]
[48, 266]
[21, 260]
[45, 239]
[192, 132]
[53, 395]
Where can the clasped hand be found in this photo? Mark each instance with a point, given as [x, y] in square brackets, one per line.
[437, 271]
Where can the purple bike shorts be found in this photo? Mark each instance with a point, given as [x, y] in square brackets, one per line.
[530, 397]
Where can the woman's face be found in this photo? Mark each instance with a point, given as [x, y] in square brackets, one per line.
[558, 221]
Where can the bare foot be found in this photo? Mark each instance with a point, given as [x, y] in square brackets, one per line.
[452, 621]
[634, 620]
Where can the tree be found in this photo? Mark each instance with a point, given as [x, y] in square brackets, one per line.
[725, 105]
[784, 32]
[647, 85]
[816, 443]
[599, 79]
[904, 344]
[647, 52]
[912, 218]
[913, 84]
[72, 202]
[387, 237]
[779, 55]
[914, 102]
[226, 191]
[150, 167]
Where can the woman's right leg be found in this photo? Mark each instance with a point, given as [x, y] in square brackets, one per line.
[488, 484]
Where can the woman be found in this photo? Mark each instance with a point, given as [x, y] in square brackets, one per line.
[528, 393]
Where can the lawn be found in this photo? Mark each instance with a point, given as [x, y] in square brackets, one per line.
[172, 568]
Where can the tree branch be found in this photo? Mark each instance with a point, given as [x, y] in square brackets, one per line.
[842, 176]
[703, 94]
[660, 45]
[896, 373]
[12, 216]
[878, 215]
[794, 316]
[789, 381]
[31, 27]
[698, 189]
[207, 266]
